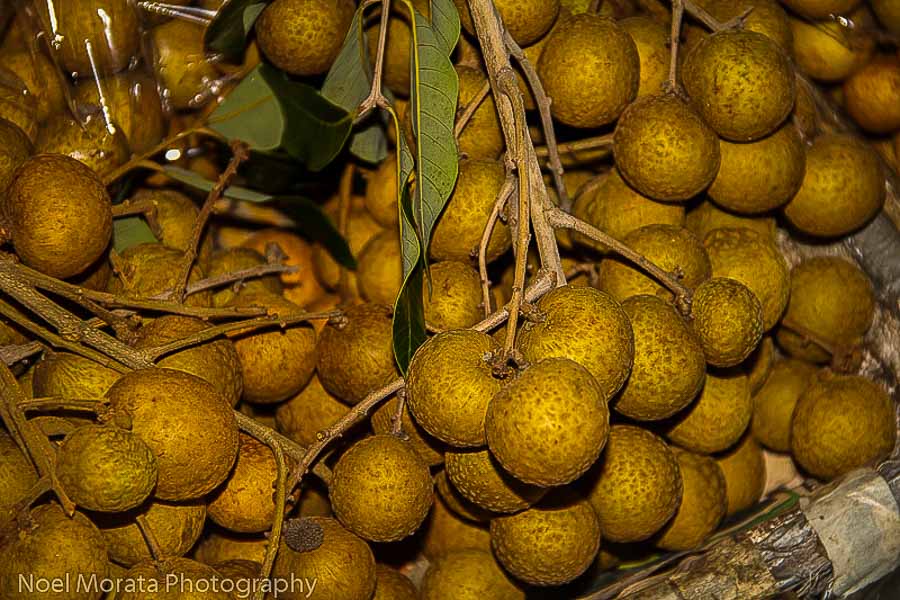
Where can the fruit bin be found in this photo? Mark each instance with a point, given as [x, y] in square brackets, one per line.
[258, 285]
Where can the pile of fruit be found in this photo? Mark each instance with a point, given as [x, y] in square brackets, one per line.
[202, 381]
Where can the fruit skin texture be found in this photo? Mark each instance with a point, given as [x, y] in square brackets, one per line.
[768, 18]
[669, 368]
[639, 485]
[89, 141]
[446, 532]
[17, 475]
[361, 228]
[828, 51]
[872, 95]
[773, 404]
[72, 376]
[106, 468]
[197, 455]
[595, 88]
[15, 148]
[38, 73]
[364, 333]
[457, 503]
[450, 384]
[381, 489]
[182, 69]
[586, 326]
[706, 216]
[530, 422]
[753, 260]
[428, 448]
[343, 564]
[391, 584]
[55, 547]
[842, 190]
[133, 103]
[230, 260]
[833, 299]
[703, 502]
[468, 575]
[480, 479]
[718, 417]
[245, 503]
[111, 26]
[310, 411]
[459, 228]
[379, 268]
[276, 363]
[172, 569]
[455, 299]
[760, 176]
[219, 546]
[177, 528]
[744, 467]
[216, 361]
[651, 40]
[727, 319]
[525, 21]
[151, 269]
[482, 137]
[817, 9]
[58, 215]
[303, 37]
[665, 149]
[547, 545]
[741, 83]
[618, 209]
[670, 247]
[841, 422]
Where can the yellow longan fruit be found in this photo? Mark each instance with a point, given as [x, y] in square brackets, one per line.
[718, 417]
[703, 502]
[773, 404]
[872, 95]
[744, 467]
[828, 50]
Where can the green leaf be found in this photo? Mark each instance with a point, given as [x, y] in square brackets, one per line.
[315, 129]
[347, 85]
[434, 90]
[268, 111]
[201, 183]
[227, 34]
[315, 225]
[409, 311]
[131, 231]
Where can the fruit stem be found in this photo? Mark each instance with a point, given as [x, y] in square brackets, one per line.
[149, 537]
[240, 152]
[600, 141]
[376, 98]
[13, 353]
[233, 277]
[505, 192]
[675, 44]
[509, 102]
[60, 403]
[397, 417]
[470, 108]
[543, 104]
[682, 293]
[28, 437]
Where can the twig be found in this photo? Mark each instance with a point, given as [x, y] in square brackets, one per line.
[699, 13]
[579, 146]
[376, 96]
[523, 229]
[149, 537]
[249, 324]
[470, 109]
[13, 353]
[675, 44]
[509, 102]
[56, 341]
[505, 192]
[543, 104]
[59, 403]
[682, 293]
[235, 276]
[397, 417]
[239, 153]
[27, 436]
